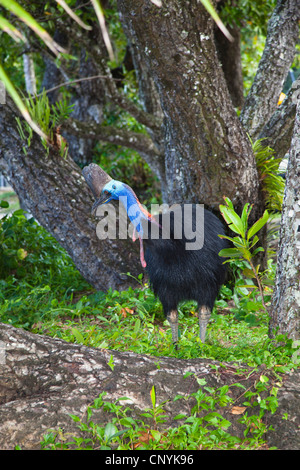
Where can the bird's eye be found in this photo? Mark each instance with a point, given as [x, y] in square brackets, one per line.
[114, 186]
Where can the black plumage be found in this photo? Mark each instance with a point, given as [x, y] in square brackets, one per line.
[177, 274]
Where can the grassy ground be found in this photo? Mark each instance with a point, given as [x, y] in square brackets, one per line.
[41, 290]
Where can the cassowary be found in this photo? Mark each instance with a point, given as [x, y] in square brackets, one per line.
[177, 271]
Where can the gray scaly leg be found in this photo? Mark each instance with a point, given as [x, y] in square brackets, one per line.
[204, 316]
[173, 320]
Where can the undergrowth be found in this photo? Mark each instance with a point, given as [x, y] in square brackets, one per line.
[41, 290]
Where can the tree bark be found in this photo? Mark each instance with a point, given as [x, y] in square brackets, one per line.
[88, 108]
[56, 194]
[44, 380]
[285, 310]
[278, 55]
[278, 131]
[207, 152]
[229, 54]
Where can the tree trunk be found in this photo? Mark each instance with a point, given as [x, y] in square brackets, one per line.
[207, 152]
[56, 194]
[278, 131]
[229, 54]
[285, 310]
[277, 58]
[44, 380]
[88, 107]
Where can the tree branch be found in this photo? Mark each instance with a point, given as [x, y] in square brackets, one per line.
[56, 194]
[279, 129]
[96, 49]
[276, 60]
[134, 140]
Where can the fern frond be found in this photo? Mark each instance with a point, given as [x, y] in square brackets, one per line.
[268, 168]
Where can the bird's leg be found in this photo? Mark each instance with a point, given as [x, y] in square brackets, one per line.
[143, 262]
[203, 316]
[172, 317]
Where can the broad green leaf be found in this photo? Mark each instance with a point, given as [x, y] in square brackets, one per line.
[260, 248]
[228, 202]
[258, 225]
[230, 253]
[233, 220]
[264, 378]
[109, 431]
[248, 273]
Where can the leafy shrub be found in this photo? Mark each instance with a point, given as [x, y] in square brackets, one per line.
[34, 270]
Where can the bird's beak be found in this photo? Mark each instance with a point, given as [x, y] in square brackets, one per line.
[102, 200]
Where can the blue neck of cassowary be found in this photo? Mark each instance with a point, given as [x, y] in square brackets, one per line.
[135, 211]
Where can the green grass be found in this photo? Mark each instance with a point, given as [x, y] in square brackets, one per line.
[42, 291]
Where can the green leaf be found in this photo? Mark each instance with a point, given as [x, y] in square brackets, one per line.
[233, 220]
[245, 215]
[230, 253]
[75, 418]
[4, 204]
[78, 336]
[110, 431]
[137, 326]
[248, 273]
[111, 362]
[254, 241]
[153, 396]
[260, 248]
[258, 225]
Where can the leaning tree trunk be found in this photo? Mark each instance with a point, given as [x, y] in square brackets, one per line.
[56, 194]
[44, 380]
[285, 310]
[207, 152]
